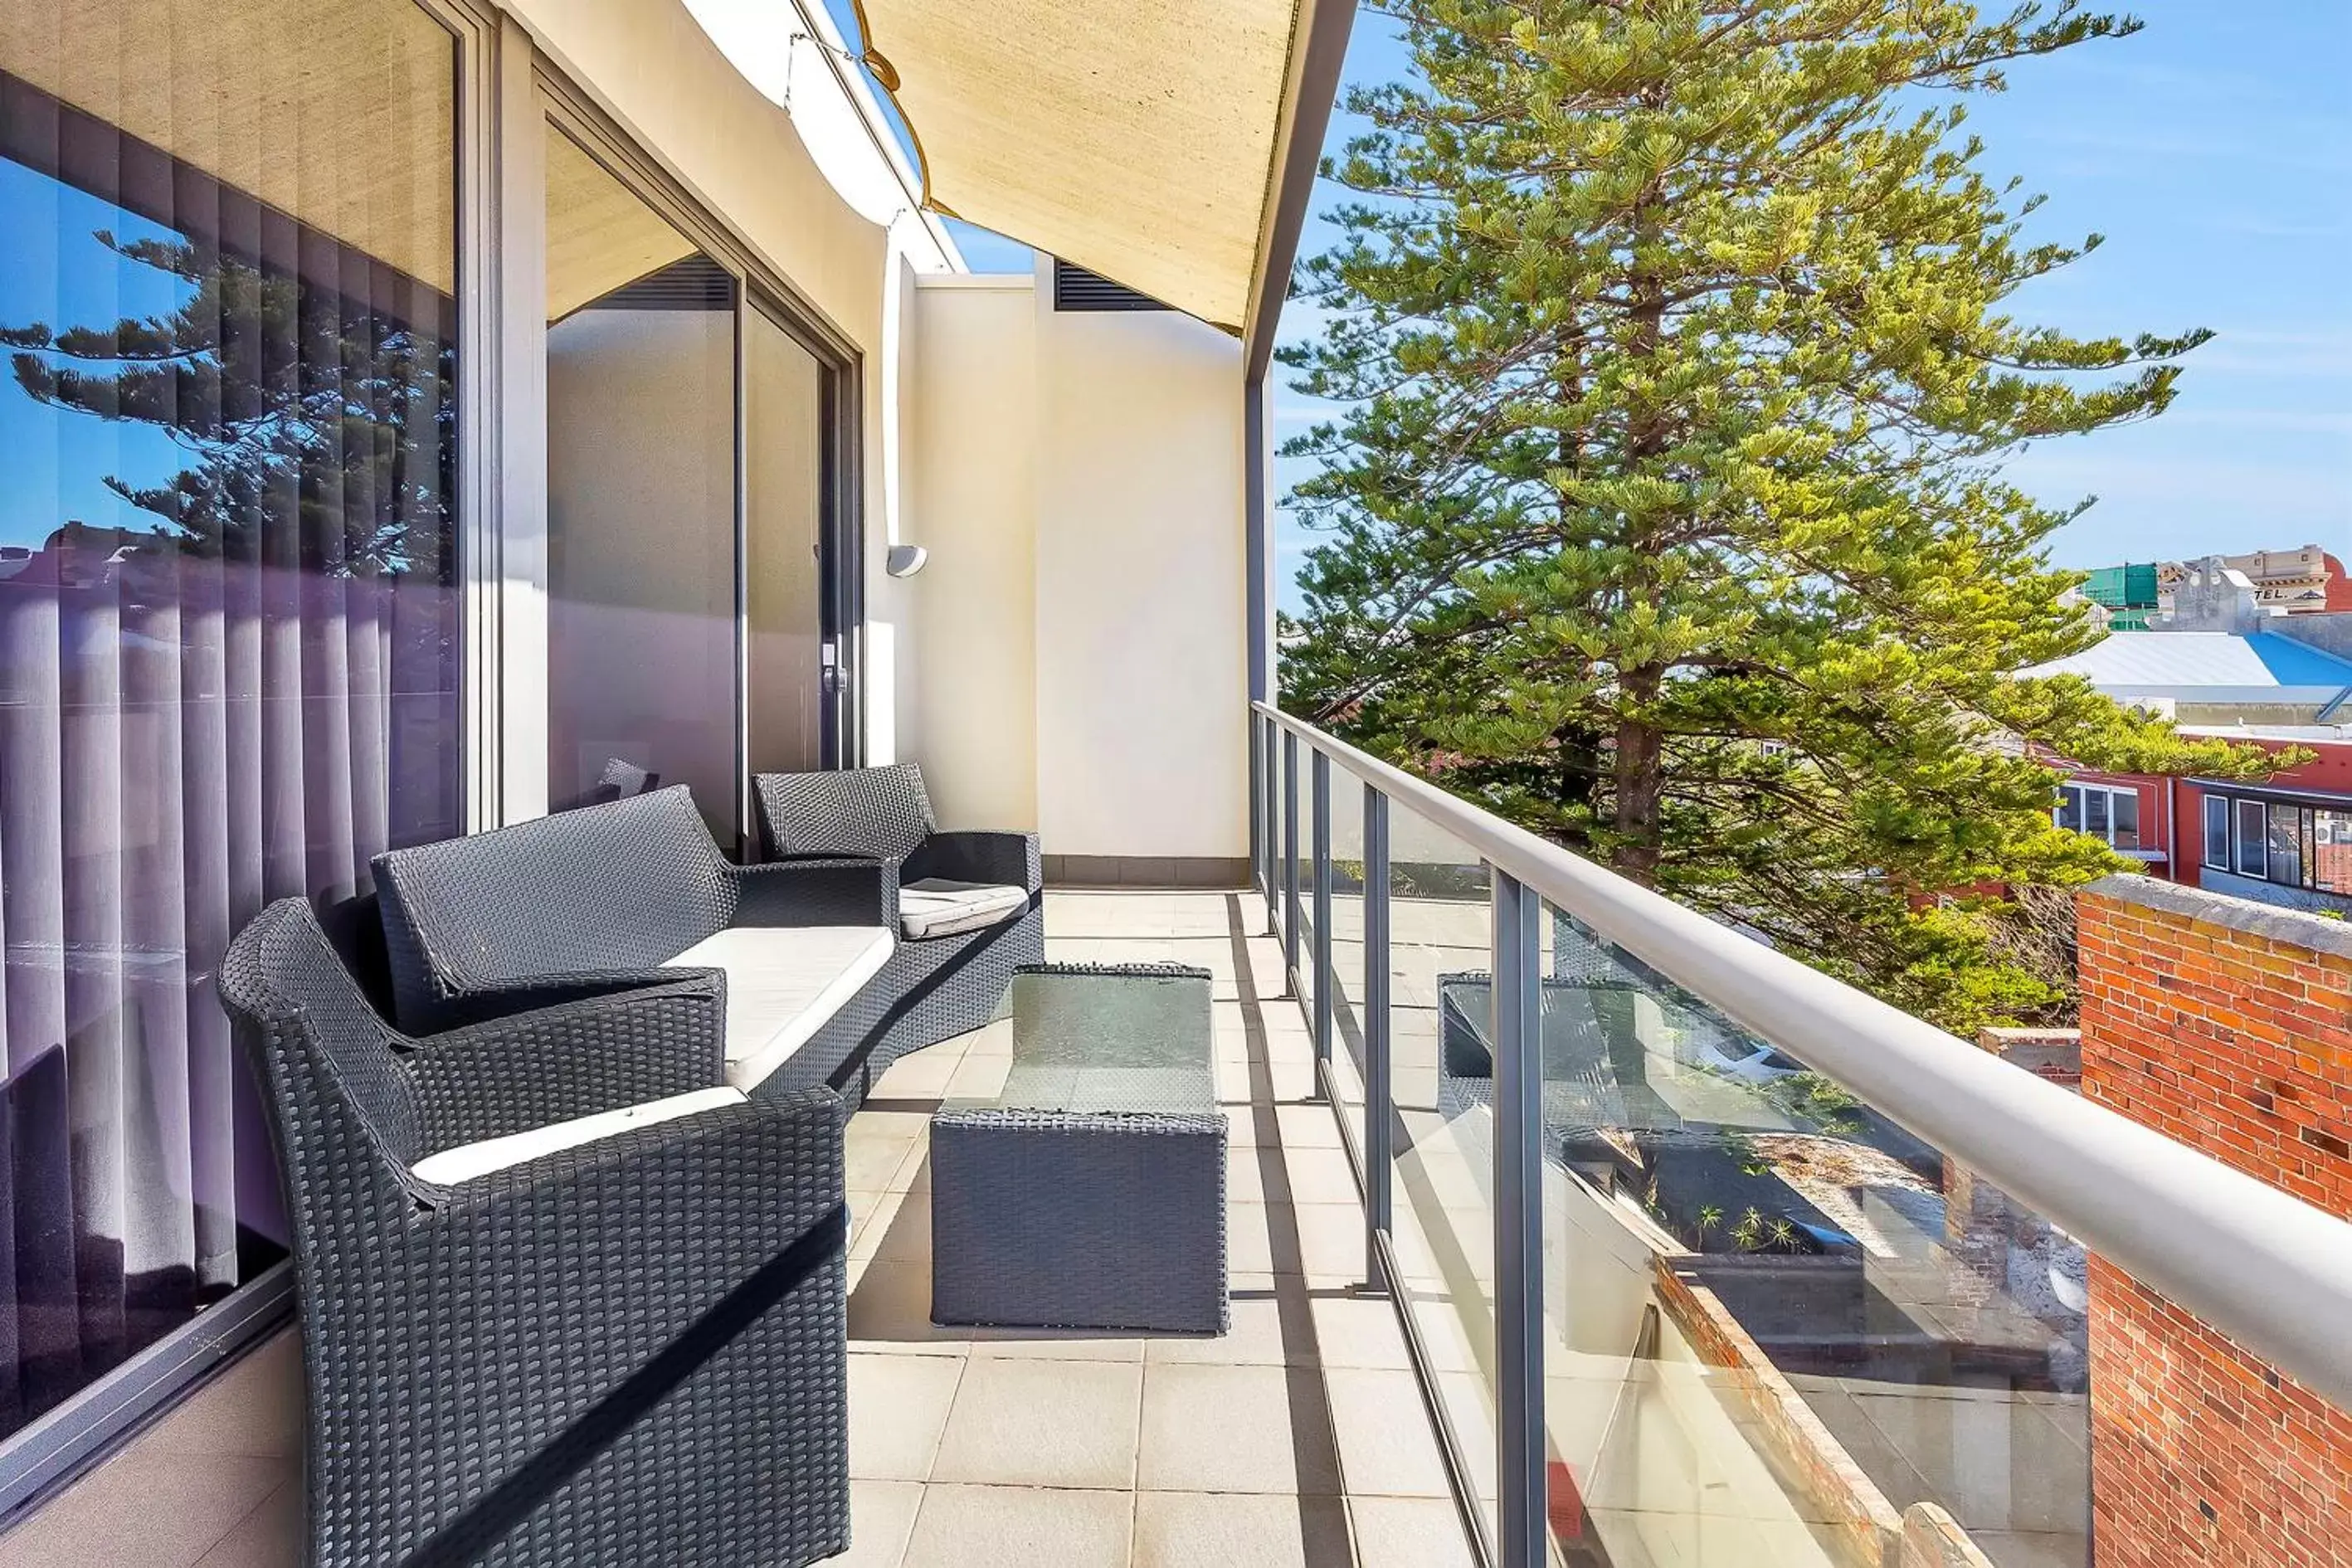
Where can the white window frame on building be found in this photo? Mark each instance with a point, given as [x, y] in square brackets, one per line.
[2099, 810]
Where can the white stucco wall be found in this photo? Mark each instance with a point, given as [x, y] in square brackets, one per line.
[1142, 660]
[1078, 482]
[973, 502]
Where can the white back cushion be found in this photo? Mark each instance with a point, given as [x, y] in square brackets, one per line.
[783, 983]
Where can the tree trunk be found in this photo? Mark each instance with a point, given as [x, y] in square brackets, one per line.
[1641, 783]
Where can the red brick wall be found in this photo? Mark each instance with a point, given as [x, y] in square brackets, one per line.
[2228, 1026]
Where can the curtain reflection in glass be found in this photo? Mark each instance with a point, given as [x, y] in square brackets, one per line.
[228, 616]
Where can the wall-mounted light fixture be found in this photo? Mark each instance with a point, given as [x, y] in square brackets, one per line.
[905, 560]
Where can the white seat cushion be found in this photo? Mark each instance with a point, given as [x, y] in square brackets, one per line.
[939, 907]
[783, 983]
[467, 1161]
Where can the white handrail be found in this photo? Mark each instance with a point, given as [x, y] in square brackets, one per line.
[2266, 1269]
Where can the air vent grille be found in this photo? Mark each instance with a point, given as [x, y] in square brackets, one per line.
[1075, 288]
[697, 283]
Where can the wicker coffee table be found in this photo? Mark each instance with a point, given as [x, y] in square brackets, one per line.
[1090, 1193]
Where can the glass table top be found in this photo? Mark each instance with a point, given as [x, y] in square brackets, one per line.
[1106, 1041]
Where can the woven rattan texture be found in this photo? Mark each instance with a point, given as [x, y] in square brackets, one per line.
[930, 990]
[631, 1352]
[1052, 1220]
[882, 812]
[586, 903]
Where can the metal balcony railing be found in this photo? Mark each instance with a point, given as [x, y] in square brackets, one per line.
[1704, 1256]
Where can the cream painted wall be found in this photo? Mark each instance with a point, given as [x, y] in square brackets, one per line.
[1080, 483]
[1142, 662]
[975, 495]
[1074, 657]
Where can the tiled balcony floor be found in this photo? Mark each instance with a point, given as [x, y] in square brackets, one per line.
[1298, 1440]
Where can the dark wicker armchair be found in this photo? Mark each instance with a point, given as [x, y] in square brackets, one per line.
[971, 904]
[621, 1352]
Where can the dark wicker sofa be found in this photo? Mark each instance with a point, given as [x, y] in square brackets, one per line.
[623, 1349]
[972, 903]
[616, 897]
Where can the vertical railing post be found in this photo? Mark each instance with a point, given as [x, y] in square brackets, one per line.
[1290, 860]
[1272, 827]
[1377, 1145]
[1319, 773]
[1257, 801]
[1518, 1227]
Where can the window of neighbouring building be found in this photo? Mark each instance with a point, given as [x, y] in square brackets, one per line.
[2288, 843]
[2253, 839]
[2112, 814]
[2331, 851]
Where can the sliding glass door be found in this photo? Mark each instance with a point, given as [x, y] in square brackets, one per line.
[794, 678]
[229, 607]
[700, 574]
[641, 496]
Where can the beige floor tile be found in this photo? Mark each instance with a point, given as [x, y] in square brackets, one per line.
[1409, 1532]
[903, 1235]
[1256, 1339]
[1319, 1175]
[1056, 1344]
[881, 1518]
[1235, 1428]
[254, 1407]
[271, 1536]
[979, 1077]
[1358, 1332]
[920, 1074]
[1234, 1530]
[1021, 1527]
[1322, 1243]
[1019, 1422]
[145, 1508]
[1247, 1171]
[873, 1164]
[1386, 1448]
[890, 1310]
[1307, 1127]
[898, 1408]
[871, 1214]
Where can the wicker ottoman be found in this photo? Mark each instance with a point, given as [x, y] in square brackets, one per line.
[1090, 1193]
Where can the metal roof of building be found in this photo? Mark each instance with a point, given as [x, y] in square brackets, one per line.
[2208, 667]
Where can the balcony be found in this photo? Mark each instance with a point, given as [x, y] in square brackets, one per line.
[1554, 1235]
[1563, 1225]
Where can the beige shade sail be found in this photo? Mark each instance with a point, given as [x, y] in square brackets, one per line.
[1135, 138]
[356, 104]
[601, 235]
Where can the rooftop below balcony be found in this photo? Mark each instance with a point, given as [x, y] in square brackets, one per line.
[1297, 1438]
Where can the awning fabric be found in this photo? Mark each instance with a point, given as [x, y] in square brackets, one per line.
[358, 105]
[600, 235]
[1134, 138]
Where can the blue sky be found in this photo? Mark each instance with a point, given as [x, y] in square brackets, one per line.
[2214, 150]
